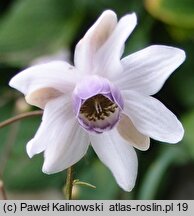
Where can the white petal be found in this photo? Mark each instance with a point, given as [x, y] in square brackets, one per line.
[132, 135]
[68, 145]
[93, 40]
[108, 57]
[146, 70]
[56, 113]
[118, 156]
[57, 75]
[152, 118]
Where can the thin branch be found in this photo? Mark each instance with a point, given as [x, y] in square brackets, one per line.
[19, 117]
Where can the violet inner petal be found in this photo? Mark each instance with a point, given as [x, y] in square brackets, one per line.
[101, 106]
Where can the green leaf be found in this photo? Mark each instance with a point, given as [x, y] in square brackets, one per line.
[174, 12]
[38, 27]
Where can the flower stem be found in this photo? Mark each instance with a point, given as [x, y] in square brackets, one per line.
[19, 117]
[69, 184]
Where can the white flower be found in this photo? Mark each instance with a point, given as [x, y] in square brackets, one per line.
[103, 100]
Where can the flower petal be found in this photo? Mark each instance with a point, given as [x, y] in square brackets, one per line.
[118, 156]
[146, 70]
[56, 113]
[56, 75]
[42, 96]
[91, 86]
[93, 40]
[132, 135]
[107, 59]
[69, 144]
[152, 118]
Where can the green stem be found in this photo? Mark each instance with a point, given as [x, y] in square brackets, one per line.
[78, 182]
[19, 117]
[69, 184]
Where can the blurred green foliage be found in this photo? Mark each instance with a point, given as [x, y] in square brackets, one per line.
[174, 12]
[30, 29]
[178, 14]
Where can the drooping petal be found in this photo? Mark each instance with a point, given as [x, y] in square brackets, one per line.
[42, 96]
[57, 76]
[68, 146]
[152, 118]
[56, 113]
[132, 135]
[107, 60]
[118, 156]
[146, 70]
[93, 40]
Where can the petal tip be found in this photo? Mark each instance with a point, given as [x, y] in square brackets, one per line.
[182, 55]
[179, 135]
[50, 167]
[146, 146]
[131, 18]
[127, 186]
[109, 12]
[47, 169]
[12, 82]
[29, 152]
[29, 149]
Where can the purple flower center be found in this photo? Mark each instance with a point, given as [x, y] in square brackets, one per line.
[97, 104]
